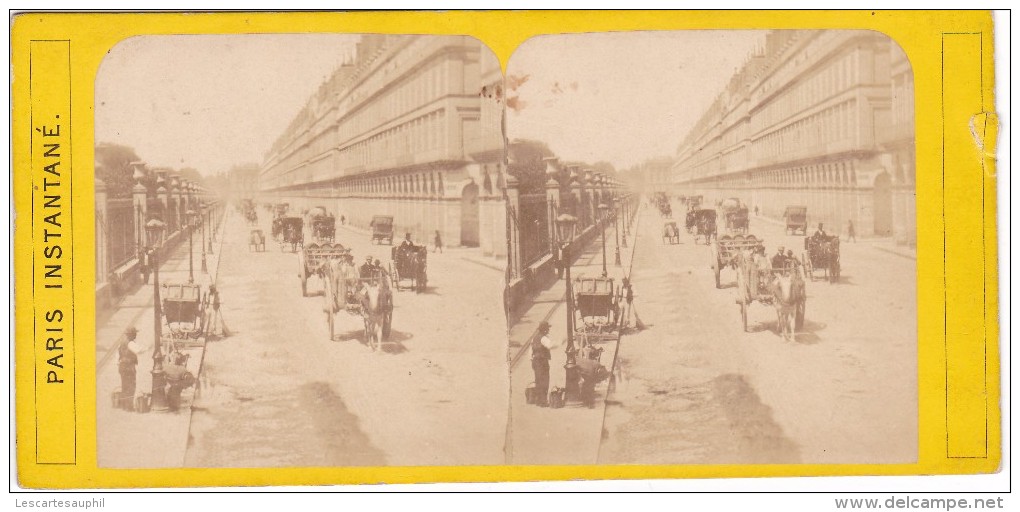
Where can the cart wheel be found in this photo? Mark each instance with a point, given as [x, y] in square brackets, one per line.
[799, 315]
[743, 315]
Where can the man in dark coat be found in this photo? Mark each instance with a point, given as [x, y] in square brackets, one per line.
[541, 353]
[127, 363]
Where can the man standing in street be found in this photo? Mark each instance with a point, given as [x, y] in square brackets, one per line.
[851, 233]
[541, 352]
[127, 365]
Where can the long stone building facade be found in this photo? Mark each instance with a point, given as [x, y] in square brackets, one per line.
[823, 119]
[411, 128]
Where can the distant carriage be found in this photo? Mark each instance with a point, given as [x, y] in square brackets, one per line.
[256, 241]
[737, 221]
[382, 228]
[289, 231]
[702, 224]
[796, 219]
[323, 224]
[409, 264]
[670, 233]
[821, 252]
[782, 288]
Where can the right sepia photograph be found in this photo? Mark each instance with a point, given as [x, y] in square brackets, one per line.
[711, 249]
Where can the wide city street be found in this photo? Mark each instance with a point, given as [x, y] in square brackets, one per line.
[279, 392]
[695, 388]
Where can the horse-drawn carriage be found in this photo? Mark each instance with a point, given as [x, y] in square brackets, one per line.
[597, 306]
[821, 252]
[323, 224]
[257, 241]
[289, 231]
[280, 209]
[701, 223]
[248, 211]
[737, 220]
[382, 228]
[796, 219]
[670, 233]
[728, 250]
[183, 311]
[409, 263]
[782, 288]
[367, 297]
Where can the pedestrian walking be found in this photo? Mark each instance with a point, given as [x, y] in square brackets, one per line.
[216, 325]
[851, 233]
[541, 353]
[438, 243]
[127, 366]
[343, 220]
[628, 295]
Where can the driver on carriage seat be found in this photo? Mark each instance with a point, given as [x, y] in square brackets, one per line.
[820, 233]
[779, 260]
[407, 243]
[367, 269]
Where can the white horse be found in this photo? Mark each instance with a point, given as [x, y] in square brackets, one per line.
[788, 291]
[376, 307]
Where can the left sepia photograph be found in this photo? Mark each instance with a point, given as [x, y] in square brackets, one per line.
[300, 252]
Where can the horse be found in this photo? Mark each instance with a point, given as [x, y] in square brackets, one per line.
[376, 306]
[788, 294]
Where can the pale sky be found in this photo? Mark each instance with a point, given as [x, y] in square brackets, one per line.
[210, 102]
[620, 97]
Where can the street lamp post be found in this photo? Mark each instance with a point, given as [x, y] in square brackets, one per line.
[603, 212]
[209, 223]
[626, 219]
[205, 267]
[616, 229]
[191, 215]
[155, 229]
[566, 225]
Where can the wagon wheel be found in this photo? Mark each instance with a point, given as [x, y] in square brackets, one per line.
[394, 278]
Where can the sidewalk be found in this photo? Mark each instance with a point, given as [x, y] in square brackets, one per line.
[571, 435]
[158, 439]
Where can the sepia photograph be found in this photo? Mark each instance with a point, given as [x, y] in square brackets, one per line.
[300, 252]
[713, 249]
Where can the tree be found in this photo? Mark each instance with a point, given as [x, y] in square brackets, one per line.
[528, 163]
[113, 167]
